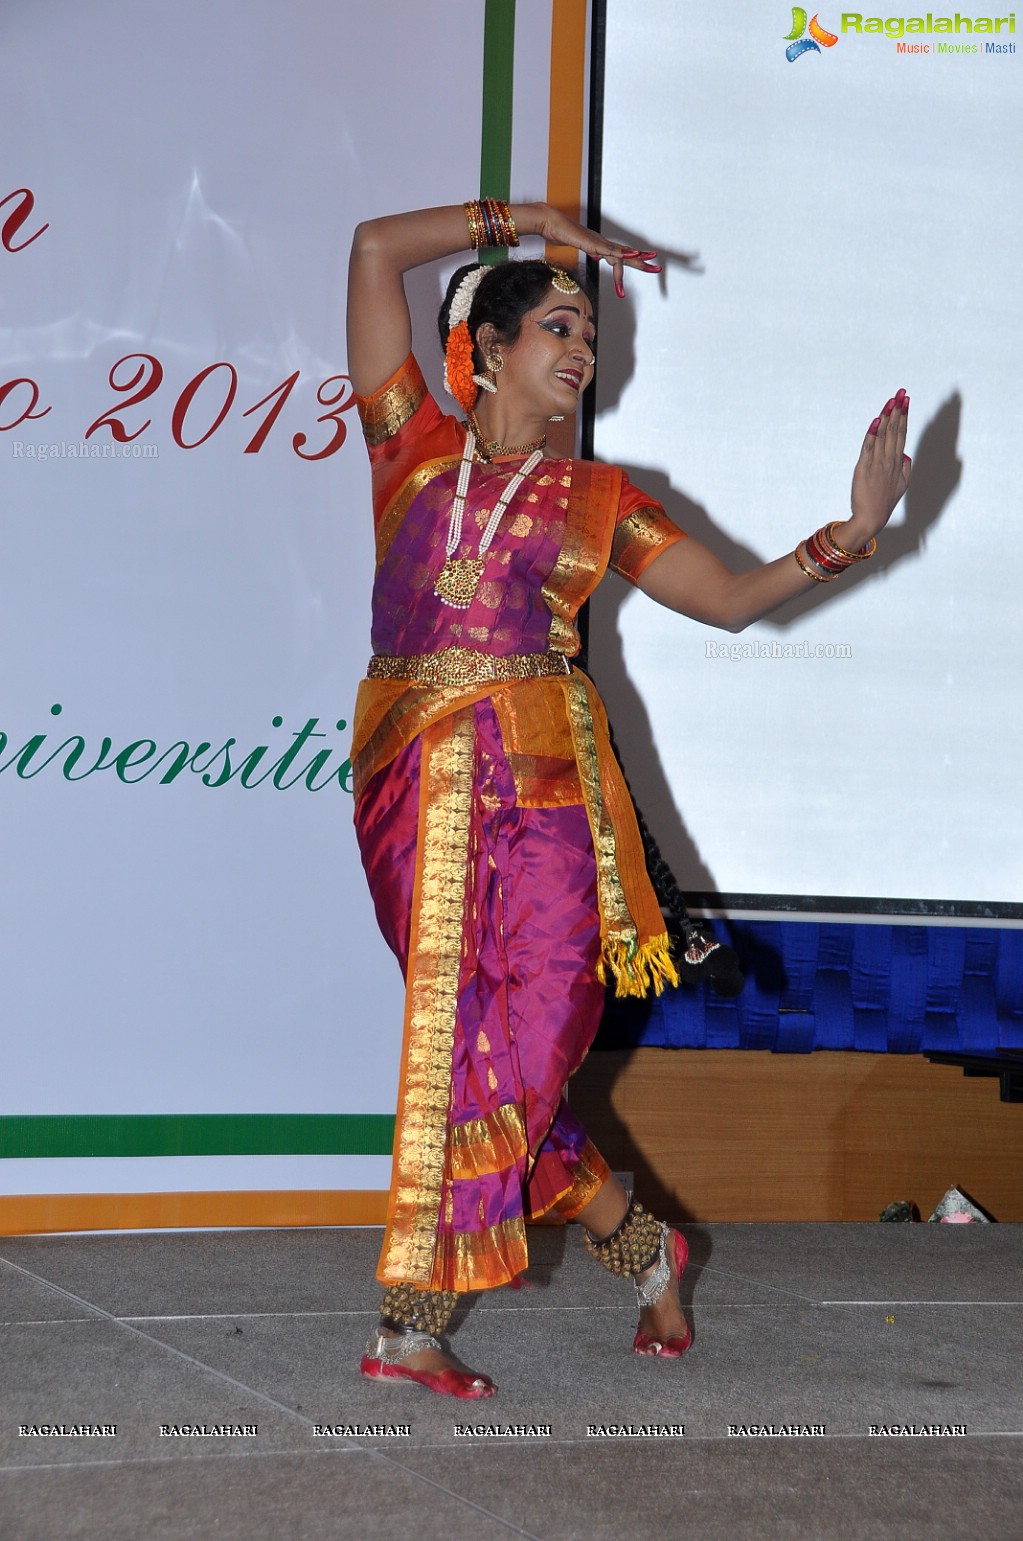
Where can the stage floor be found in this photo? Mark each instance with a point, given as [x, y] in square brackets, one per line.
[846, 1327]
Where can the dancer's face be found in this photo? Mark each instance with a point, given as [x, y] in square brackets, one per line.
[551, 362]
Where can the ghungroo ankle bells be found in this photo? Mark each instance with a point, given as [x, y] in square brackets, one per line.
[407, 1309]
[631, 1249]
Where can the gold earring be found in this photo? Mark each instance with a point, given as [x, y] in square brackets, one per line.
[495, 363]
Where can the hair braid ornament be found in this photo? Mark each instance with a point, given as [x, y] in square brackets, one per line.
[458, 350]
[458, 371]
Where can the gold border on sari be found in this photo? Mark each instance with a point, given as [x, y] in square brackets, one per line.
[638, 539]
[389, 714]
[614, 909]
[387, 411]
[431, 1000]
[635, 948]
[495, 1143]
[589, 1175]
[589, 526]
[481, 1260]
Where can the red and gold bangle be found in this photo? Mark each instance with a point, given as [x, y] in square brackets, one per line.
[822, 558]
[501, 222]
[490, 223]
[830, 545]
[818, 577]
[828, 560]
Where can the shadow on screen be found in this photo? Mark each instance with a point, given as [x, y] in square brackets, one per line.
[937, 471]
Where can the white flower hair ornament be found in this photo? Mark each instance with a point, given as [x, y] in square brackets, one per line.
[461, 304]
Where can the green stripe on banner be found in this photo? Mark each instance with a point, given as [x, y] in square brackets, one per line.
[197, 1134]
[496, 127]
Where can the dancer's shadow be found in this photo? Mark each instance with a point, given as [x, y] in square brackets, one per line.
[936, 474]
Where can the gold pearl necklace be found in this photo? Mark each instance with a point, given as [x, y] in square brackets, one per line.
[459, 578]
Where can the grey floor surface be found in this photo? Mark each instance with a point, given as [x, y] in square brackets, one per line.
[848, 1327]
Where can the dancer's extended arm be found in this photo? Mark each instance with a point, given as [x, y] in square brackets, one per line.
[687, 577]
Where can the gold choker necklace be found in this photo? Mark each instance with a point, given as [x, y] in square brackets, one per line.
[490, 449]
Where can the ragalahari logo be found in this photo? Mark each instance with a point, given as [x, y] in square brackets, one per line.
[799, 44]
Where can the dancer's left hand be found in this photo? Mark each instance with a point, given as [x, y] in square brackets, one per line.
[883, 470]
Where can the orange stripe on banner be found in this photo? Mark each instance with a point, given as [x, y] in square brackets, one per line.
[566, 137]
[568, 115]
[31, 1214]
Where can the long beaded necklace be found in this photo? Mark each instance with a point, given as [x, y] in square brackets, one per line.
[459, 578]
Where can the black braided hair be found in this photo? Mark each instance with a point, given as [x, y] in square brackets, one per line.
[698, 954]
[506, 294]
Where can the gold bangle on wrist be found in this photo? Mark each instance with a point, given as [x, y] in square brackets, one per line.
[490, 223]
[500, 216]
[474, 220]
[817, 577]
[849, 556]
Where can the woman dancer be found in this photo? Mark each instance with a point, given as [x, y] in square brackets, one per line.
[495, 828]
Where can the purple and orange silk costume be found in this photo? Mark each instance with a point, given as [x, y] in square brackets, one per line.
[497, 834]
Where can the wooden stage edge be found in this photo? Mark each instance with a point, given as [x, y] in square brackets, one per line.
[746, 1135]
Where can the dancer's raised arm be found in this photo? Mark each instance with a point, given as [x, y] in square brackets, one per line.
[383, 251]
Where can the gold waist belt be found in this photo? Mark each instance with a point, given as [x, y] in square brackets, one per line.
[465, 666]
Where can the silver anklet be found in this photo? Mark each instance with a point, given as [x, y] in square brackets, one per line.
[392, 1350]
[650, 1292]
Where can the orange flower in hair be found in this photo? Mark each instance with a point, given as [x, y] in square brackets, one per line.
[458, 367]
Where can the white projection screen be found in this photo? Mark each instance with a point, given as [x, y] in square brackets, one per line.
[855, 212]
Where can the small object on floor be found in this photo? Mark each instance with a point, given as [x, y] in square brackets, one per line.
[957, 1209]
[902, 1209]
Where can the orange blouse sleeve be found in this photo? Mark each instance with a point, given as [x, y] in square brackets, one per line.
[403, 426]
[642, 531]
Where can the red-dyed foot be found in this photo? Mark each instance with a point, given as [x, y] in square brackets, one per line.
[446, 1383]
[387, 1357]
[672, 1347]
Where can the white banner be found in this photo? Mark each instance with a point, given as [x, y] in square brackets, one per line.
[186, 552]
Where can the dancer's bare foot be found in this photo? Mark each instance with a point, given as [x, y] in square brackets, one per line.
[433, 1360]
[664, 1318]
[663, 1328]
[393, 1356]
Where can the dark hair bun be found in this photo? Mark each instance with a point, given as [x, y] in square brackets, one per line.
[507, 292]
